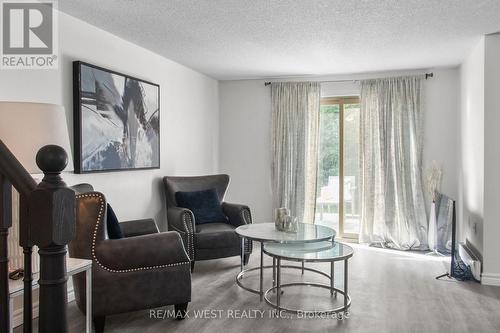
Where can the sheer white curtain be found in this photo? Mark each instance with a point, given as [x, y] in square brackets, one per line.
[392, 202]
[295, 123]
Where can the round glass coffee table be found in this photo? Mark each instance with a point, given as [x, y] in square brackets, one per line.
[267, 233]
[326, 251]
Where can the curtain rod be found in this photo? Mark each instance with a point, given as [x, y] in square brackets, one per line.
[427, 75]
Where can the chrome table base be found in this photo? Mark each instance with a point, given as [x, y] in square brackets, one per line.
[261, 268]
[278, 289]
[278, 306]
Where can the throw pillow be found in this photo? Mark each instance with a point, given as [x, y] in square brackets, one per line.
[204, 204]
[113, 226]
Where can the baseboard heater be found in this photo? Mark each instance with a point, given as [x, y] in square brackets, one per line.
[470, 259]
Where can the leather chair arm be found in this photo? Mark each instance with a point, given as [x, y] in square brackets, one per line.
[237, 214]
[139, 227]
[141, 253]
[182, 220]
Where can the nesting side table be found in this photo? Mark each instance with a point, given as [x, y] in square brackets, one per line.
[325, 251]
[267, 233]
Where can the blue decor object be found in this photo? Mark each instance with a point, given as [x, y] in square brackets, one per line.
[461, 271]
[204, 204]
[112, 224]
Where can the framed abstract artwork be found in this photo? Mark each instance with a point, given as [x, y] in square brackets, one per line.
[116, 121]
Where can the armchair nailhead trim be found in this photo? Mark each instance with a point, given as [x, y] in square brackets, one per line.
[247, 217]
[182, 233]
[188, 226]
[94, 257]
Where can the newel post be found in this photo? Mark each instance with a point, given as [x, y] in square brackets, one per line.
[52, 220]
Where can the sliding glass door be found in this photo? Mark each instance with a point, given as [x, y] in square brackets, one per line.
[338, 191]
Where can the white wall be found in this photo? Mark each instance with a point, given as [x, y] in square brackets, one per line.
[479, 179]
[245, 143]
[441, 111]
[491, 244]
[189, 112]
[471, 148]
[245, 132]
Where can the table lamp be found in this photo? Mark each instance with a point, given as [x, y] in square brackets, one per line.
[26, 127]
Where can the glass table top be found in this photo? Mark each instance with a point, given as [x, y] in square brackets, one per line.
[267, 232]
[318, 251]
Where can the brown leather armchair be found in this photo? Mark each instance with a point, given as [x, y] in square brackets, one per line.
[209, 240]
[146, 269]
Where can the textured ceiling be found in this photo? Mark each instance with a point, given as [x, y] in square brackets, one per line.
[234, 39]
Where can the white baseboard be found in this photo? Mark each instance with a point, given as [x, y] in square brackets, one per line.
[17, 318]
[490, 279]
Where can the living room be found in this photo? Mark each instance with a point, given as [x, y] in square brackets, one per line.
[349, 148]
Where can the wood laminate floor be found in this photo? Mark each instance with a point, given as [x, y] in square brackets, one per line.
[391, 292]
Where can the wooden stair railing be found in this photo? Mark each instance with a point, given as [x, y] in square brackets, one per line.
[47, 220]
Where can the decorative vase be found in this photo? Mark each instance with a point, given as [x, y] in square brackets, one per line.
[432, 232]
[280, 215]
[290, 224]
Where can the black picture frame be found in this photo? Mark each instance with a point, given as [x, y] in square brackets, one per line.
[78, 119]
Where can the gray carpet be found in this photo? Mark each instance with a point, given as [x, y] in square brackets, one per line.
[391, 292]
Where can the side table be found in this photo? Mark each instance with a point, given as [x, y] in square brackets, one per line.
[73, 266]
[325, 251]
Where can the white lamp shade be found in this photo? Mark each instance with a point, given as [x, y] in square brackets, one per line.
[26, 127]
